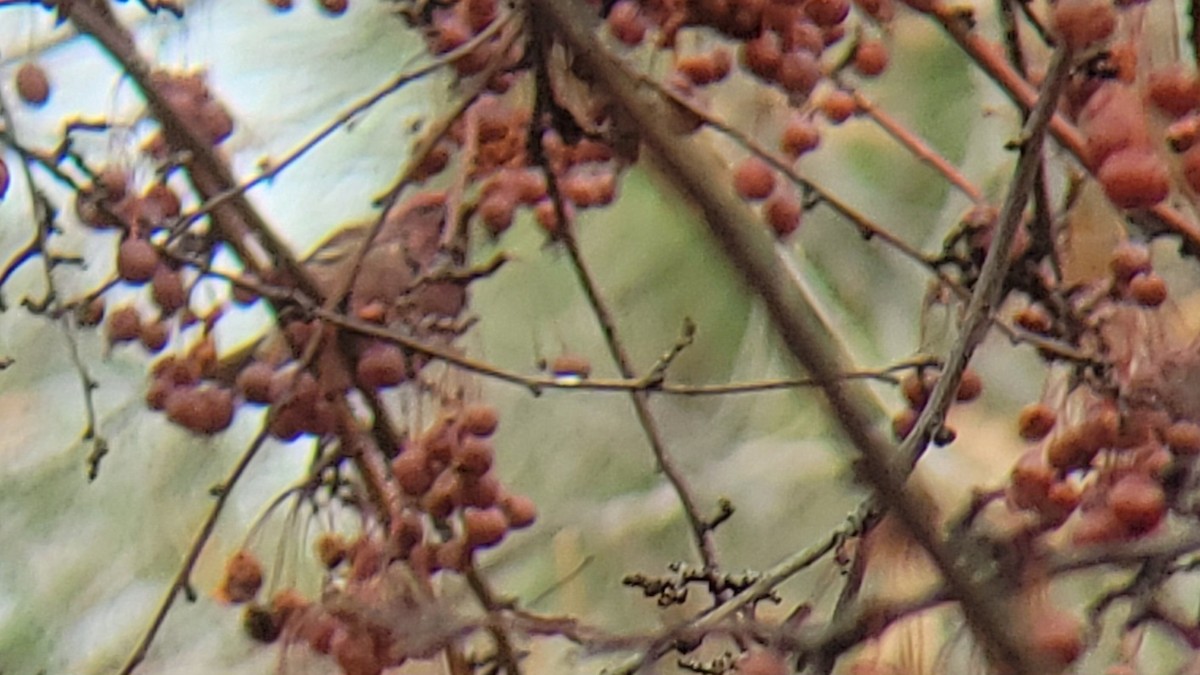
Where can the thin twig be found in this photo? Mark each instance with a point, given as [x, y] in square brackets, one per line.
[181, 581]
[989, 289]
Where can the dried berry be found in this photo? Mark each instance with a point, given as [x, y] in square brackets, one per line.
[412, 472]
[154, 335]
[474, 455]
[799, 72]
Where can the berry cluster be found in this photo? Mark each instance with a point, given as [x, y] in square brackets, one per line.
[452, 507]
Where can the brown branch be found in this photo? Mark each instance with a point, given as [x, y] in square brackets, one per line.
[749, 247]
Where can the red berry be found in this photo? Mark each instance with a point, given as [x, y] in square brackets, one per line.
[1035, 421]
[799, 72]
[484, 527]
[243, 578]
[1135, 178]
[1082, 23]
[335, 7]
[753, 179]
[838, 106]
[480, 420]
[124, 324]
[1148, 289]
[380, 365]
[33, 87]
[871, 57]
[969, 387]
[136, 260]
[762, 55]
[799, 136]
[626, 23]
[1129, 259]
[167, 291]
[254, 382]
[520, 510]
[1138, 502]
[1183, 438]
[1174, 89]
[783, 212]
[827, 12]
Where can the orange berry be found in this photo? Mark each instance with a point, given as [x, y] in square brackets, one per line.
[1173, 89]
[783, 212]
[969, 387]
[1129, 259]
[763, 55]
[1138, 502]
[903, 423]
[136, 260]
[412, 472]
[484, 527]
[254, 382]
[520, 510]
[1070, 449]
[1113, 119]
[381, 365]
[761, 661]
[334, 7]
[1148, 289]
[1134, 178]
[799, 136]
[1035, 421]
[243, 578]
[1030, 480]
[167, 291]
[839, 106]
[827, 12]
[480, 419]
[33, 86]
[912, 386]
[496, 210]
[124, 324]
[1056, 638]
[474, 455]
[626, 23]
[331, 549]
[1183, 438]
[753, 179]
[1082, 23]
[871, 57]
[154, 335]
[1034, 319]
[799, 72]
